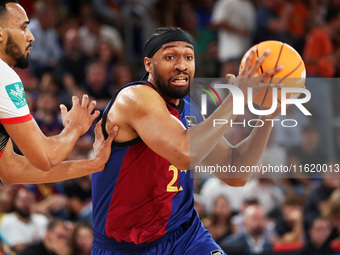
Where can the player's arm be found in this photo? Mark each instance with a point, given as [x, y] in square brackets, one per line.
[45, 152]
[15, 169]
[142, 111]
[246, 153]
[204, 137]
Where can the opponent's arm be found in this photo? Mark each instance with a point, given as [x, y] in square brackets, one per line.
[45, 152]
[15, 169]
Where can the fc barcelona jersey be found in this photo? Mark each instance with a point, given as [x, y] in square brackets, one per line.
[140, 196]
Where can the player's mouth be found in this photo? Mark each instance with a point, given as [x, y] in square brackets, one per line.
[28, 49]
[180, 80]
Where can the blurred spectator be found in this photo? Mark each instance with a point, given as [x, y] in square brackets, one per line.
[316, 201]
[253, 240]
[47, 113]
[82, 239]
[51, 200]
[235, 23]
[289, 227]
[7, 195]
[46, 49]
[272, 18]
[213, 187]
[289, 137]
[308, 151]
[96, 84]
[337, 144]
[70, 68]
[21, 228]
[317, 242]
[199, 205]
[121, 76]
[271, 197]
[321, 57]
[218, 223]
[108, 56]
[4, 249]
[80, 204]
[238, 219]
[93, 32]
[274, 155]
[298, 24]
[55, 242]
[111, 11]
[332, 212]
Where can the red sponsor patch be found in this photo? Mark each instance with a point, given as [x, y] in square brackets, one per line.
[1, 152]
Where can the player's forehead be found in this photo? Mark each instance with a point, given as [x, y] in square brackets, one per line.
[177, 45]
[16, 14]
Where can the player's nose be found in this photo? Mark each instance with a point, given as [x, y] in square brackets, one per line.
[181, 65]
[30, 36]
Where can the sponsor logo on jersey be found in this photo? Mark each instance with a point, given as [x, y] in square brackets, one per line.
[16, 93]
[191, 121]
[216, 252]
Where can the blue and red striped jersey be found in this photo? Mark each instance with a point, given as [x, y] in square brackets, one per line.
[140, 196]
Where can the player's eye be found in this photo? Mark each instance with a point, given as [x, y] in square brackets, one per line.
[169, 57]
[189, 57]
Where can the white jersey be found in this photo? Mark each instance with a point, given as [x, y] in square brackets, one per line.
[13, 105]
[14, 231]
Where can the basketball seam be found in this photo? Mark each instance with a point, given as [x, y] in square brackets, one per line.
[291, 72]
[257, 54]
[271, 78]
[288, 75]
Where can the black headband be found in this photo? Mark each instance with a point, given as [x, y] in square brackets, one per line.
[155, 43]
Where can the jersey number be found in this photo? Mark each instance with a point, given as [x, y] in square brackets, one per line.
[171, 187]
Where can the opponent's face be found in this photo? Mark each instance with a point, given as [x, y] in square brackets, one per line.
[171, 69]
[16, 37]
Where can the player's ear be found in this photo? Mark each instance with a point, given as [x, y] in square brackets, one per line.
[1, 34]
[148, 64]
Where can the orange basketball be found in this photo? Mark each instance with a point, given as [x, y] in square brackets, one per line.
[293, 73]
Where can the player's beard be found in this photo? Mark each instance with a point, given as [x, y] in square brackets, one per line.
[14, 51]
[164, 86]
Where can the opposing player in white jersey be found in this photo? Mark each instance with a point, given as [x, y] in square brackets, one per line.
[42, 155]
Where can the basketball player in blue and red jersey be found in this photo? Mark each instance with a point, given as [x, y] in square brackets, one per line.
[143, 199]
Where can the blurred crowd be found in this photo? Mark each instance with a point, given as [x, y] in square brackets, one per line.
[96, 47]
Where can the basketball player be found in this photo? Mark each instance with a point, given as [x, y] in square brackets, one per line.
[17, 123]
[143, 200]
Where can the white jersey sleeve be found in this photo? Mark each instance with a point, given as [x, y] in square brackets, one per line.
[13, 104]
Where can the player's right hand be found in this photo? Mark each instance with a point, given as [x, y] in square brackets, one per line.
[102, 147]
[249, 76]
[80, 115]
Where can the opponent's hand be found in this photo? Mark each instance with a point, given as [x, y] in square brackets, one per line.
[80, 115]
[102, 147]
[249, 76]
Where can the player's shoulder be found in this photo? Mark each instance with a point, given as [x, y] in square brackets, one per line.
[138, 94]
[8, 75]
[5, 67]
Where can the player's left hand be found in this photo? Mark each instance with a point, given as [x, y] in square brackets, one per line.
[80, 115]
[102, 147]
